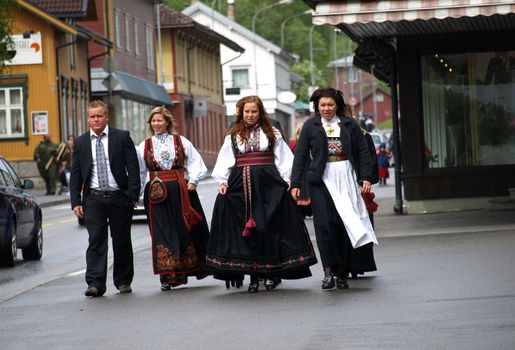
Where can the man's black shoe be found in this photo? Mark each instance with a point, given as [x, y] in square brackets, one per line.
[93, 292]
[124, 288]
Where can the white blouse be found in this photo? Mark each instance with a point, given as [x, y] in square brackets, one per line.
[164, 153]
[331, 127]
[283, 157]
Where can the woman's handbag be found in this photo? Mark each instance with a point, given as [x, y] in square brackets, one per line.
[157, 191]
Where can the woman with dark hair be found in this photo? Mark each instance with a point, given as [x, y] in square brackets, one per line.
[333, 153]
[256, 228]
[177, 222]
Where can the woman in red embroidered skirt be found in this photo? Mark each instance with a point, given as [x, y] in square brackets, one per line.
[177, 222]
[256, 227]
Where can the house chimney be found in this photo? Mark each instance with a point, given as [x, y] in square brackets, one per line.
[230, 9]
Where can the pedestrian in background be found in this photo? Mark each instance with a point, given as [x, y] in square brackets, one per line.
[383, 162]
[104, 187]
[45, 156]
[175, 216]
[65, 165]
[333, 152]
[256, 228]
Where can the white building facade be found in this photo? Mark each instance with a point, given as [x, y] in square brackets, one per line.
[263, 69]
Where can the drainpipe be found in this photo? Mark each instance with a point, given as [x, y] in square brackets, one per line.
[395, 133]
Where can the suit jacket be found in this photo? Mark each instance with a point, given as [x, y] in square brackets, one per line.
[123, 163]
[313, 142]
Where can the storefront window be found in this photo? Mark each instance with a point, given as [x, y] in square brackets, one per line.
[134, 119]
[469, 109]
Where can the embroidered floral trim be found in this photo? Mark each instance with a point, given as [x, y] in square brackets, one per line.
[167, 261]
[239, 264]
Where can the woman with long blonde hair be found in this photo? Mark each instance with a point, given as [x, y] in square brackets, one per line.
[176, 219]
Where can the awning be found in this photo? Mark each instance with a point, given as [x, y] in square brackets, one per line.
[131, 86]
[411, 17]
[373, 24]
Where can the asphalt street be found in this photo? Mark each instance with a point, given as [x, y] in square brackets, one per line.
[444, 281]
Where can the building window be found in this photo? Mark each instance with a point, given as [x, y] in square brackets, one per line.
[12, 120]
[128, 39]
[74, 114]
[65, 88]
[468, 109]
[136, 37]
[117, 30]
[352, 75]
[84, 106]
[150, 47]
[72, 53]
[240, 77]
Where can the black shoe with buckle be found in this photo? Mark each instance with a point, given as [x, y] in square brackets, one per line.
[328, 282]
[165, 287]
[124, 289]
[341, 283]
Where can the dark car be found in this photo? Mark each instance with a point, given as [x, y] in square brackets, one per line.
[20, 218]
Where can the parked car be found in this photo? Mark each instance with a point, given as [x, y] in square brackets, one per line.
[378, 139]
[20, 218]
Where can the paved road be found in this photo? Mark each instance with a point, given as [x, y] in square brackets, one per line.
[454, 289]
[431, 292]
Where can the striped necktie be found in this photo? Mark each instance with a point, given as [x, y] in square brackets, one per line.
[103, 179]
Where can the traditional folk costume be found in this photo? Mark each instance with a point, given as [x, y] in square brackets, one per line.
[340, 217]
[177, 222]
[256, 228]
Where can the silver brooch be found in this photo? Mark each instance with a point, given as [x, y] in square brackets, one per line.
[165, 155]
[253, 142]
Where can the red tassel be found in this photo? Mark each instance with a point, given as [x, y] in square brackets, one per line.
[250, 223]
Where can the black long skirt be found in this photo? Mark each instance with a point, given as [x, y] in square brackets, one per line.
[279, 246]
[176, 254]
[332, 239]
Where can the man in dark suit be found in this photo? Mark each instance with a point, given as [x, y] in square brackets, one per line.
[104, 186]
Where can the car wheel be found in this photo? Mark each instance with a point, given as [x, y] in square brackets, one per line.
[34, 251]
[10, 251]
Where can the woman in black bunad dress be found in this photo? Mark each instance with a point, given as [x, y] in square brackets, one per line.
[176, 219]
[256, 227]
[333, 152]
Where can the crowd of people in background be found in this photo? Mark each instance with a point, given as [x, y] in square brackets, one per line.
[267, 186]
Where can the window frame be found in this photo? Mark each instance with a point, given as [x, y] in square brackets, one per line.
[117, 28]
[149, 36]
[233, 69]
[25, 129]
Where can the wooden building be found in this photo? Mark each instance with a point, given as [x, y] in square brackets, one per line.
[454, 65]
[45, 87]
[125, 76]
[192, 75]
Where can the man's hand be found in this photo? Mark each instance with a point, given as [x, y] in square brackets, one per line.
[79, 211]
[191, 187]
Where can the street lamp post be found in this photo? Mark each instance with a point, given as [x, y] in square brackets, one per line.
[281, 2]
[311, 64]
[283, 24]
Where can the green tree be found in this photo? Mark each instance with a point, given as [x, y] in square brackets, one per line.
[6, 42]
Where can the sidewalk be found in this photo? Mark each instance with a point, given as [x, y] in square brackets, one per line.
[389, 224]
